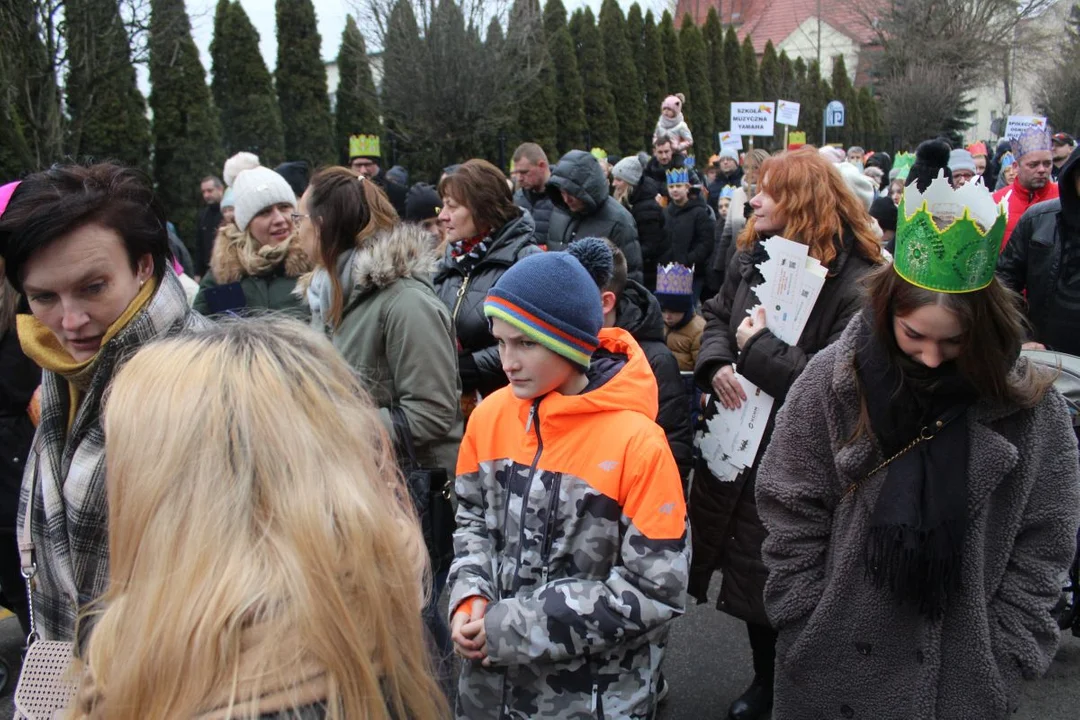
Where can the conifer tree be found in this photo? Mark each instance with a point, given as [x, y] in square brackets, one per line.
[673, 57]
[815, 96]
[242, 87]
[734, 66]
[654, 74]
[301, 85]
[106, 110]
[570, 115]
[787, 78]
[187, 139]
[769, 72]
[750, 70]
[357, 109]
[599, 101]
[494, 49]
[635, 31]
[31, 122]
[401, 73]
[870, 110]
[698, 110]
[843, 91]
[577, 18]
[718, 77]
[538, 96]
[798, 70]
[621, 70]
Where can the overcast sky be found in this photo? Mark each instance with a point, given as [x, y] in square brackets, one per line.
[331, 17]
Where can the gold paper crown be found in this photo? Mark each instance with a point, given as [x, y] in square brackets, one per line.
[364, 146]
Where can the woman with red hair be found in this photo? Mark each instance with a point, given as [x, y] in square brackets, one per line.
[803, 198]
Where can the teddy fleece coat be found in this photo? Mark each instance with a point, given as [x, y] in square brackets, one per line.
[396, 334]
[579, 545]
[846, 649]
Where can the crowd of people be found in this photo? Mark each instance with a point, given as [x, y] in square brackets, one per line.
[227, 471]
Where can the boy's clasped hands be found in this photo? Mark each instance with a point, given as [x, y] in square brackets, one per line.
[467, 630]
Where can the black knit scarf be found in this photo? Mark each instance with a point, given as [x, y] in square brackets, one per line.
[918, 523]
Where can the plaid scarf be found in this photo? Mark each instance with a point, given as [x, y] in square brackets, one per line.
[70, 521]
[469, 251]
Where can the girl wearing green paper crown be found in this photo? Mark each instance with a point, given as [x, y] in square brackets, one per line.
[919, 526]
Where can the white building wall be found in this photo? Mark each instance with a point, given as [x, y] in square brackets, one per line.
[805, 41]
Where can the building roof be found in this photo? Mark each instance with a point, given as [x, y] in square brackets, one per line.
[775, 20]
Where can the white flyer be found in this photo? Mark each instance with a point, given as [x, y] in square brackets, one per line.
[734, 436]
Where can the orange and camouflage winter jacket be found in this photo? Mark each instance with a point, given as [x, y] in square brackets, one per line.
[572, 524]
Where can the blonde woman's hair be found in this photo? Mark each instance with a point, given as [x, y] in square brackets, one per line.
[252, 486]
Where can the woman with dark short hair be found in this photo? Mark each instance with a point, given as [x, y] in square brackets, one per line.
[87, 246]
[486, 234]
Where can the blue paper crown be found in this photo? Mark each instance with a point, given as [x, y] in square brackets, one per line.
[674, 279]
[1034, 139]
[678, 176]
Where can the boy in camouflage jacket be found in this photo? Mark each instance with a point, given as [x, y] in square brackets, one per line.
[571, 544]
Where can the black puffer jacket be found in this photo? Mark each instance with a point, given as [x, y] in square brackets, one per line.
[1043, 258]
[19, 378]
[727, 532]
[478, 356]
[649, 218]
[688, 235]
[540, 207]
[579, 174]
[639, 314]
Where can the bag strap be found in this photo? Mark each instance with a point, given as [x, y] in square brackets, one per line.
[927, 433]
[403, 436]
[27, 562]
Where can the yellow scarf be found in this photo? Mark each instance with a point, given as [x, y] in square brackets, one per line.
[42, 346]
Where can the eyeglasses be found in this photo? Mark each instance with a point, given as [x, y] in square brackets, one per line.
[297, 217]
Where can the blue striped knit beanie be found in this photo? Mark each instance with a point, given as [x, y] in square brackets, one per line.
[552, 299]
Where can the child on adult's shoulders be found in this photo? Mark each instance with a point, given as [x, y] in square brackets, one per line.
[683, 325]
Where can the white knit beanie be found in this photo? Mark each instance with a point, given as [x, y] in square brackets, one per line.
[237, 164]
[256, 190]
[862, 185]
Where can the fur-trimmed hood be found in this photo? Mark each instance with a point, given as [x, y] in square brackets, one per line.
[389, 255]
[227, 265]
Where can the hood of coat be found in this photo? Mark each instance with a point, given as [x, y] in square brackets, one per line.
[389, 255]
[226, 263]
[1070, 200]
[645, 190]
[617, 387]
[639, 313]
[579, 174]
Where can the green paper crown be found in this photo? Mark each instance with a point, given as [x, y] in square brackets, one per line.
[364, 146]
[961, 258]
[902, 164]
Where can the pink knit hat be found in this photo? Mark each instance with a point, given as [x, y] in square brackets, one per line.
[673, 102]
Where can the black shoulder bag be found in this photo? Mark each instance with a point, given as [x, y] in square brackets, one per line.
[429, 489]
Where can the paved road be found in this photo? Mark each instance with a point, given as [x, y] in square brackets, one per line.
[708, 665]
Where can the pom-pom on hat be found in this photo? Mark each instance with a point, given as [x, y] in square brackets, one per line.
[628, 170]
[551, 298]
[596, 257]
[257, 189]
[1033, 140]
[237, 164]
[931, 157]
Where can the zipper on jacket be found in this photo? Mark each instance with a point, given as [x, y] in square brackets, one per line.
[549, 526]
[528, 486]
[506, 511]
[460, 297]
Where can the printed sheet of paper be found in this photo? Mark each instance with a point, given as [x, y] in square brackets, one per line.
[792, 283]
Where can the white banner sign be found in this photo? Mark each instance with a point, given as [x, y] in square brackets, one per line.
[753, 118]
[787, 112]
[1020, 124]
[730, 141]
